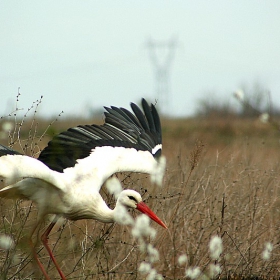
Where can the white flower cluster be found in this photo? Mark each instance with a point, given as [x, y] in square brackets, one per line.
[264, 117]
[239, 94]
[6, 242]
[216, 249]
[266, 254]
[214, 270]
[7, 127]
[193, 272]
[141, 228]
[114, 186]
[146, 268]
[152, 253]
[158, 174]
[182, 259]
[122, 216]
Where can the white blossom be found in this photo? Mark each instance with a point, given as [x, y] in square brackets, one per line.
[144, 267]
[152, 274]
[142, 227]
[264, 117]
[239, 94]
[268, 247]
[193, 272]
[114, 186]
[7, 126]
[122, 216]
[153, 253]
[159, 170]
[214, 270]
[182, 259]
[215, 247]
[6, 242]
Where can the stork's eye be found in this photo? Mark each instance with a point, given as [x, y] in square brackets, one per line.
[132, 198]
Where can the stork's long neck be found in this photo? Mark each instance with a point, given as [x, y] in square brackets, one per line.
[103, 213]
[118, 214]
[92, 207]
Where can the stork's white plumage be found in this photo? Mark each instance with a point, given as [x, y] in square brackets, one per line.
[67, 176]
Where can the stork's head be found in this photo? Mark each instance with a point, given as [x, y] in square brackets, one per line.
[133, 199]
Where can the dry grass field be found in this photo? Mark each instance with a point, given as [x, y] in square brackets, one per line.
[222, 179]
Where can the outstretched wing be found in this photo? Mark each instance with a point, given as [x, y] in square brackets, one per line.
[89, 154]
[140, 131]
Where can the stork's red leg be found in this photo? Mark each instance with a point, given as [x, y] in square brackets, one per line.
[35, 256]
[44, 239]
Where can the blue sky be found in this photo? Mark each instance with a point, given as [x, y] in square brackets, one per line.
[81, 55]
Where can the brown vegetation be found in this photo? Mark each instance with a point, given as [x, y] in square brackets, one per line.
[222, 178]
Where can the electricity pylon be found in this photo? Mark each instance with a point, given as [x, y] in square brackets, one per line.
[161, 55]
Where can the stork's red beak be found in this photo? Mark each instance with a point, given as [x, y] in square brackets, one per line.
[141, 206]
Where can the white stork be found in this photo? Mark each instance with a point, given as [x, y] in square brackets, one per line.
[66, 178]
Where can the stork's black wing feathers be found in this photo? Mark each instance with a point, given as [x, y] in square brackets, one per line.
[117, 112]
[97, 132]
[149, 116]
[122, 128]
[125, 127]
[127, 123]
[156, 121]
[132, 118]
[140, 116]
